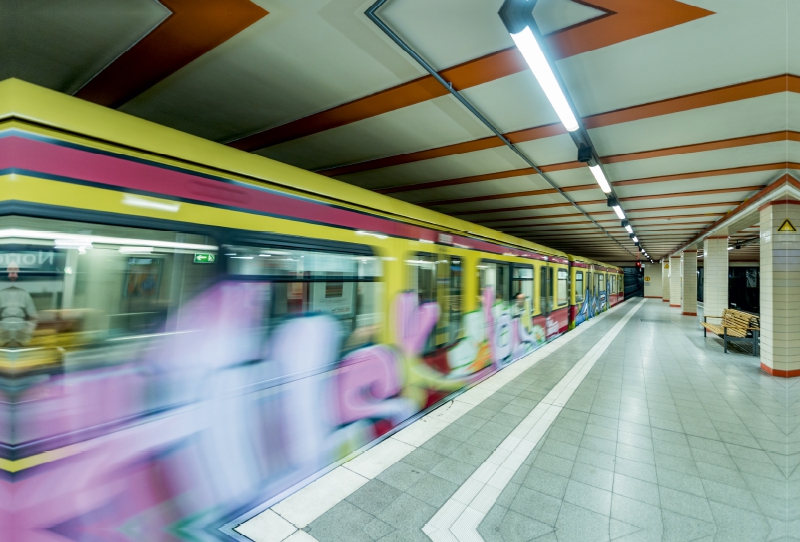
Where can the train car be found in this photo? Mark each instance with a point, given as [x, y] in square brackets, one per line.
[226, 327]
[595, 288]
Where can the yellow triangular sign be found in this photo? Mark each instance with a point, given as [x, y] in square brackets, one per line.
[787, 226]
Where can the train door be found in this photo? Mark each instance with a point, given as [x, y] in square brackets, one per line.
[546, 284]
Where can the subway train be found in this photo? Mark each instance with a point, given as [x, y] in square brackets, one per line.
[208, 330]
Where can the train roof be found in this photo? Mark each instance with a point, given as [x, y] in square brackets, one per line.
[76, 118]
[574, 258]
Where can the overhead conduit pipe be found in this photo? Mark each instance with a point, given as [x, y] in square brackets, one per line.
[372, 15]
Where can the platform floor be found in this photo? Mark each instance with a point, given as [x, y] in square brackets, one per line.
[662, 437]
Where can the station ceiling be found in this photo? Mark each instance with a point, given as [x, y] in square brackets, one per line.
[693, 106]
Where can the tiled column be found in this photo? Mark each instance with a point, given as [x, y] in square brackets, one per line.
[715, 276]
[689, 284]
[665, 280]
[675, 281]
[780, 289]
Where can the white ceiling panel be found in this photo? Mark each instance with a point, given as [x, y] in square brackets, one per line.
[767, 153]
[735, 119]
[742, 41]
[437, 169]
[427, 125]
[62, 45]
[761, 178]
[302, 58]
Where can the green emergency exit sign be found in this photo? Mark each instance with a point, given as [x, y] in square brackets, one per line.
[205, 258]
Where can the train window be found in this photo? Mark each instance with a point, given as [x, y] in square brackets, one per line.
[522, 289]
[450, 284]
[315, 282]
[546, 289]
[579, 292]
[70, 287]
[422, 276]
[562, 294]
[601, 282]
[438, 279]
[497, 276]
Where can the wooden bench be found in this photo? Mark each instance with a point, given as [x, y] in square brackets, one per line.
[735, 326]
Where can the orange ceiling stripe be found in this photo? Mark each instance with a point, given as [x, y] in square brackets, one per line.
[707, 173]
[634, 198]
[526, 208]
[731, 93]
[511, 195]
[480, 178]
[705, 147]
[739, 91]
[694, 194]
[463, 180]
[631, 182]
[624, 20]
[193, 28]
[765, 191]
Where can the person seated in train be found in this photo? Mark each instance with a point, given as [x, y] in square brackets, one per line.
[519, 304]
[18, 316]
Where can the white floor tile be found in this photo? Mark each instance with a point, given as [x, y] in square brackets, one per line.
[266, 527]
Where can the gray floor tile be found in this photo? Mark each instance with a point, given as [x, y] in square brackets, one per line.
[457, 432]
[374, 496]
[400, 475]
[730, 495]
[576, 524]
[489, 528]
[423, 459]
[735, 524]
[723, 475]
[635, 469]
[453, 471]
[589, 497]
[441, 445]
[485, 441]
[546, 482]
[432, 490]
[634, 488]
[680, 481]
[343, 523]
[593, 476]
[378, 529]
[680, 528]
[685, 503]
[472, 455]
[519, 528]
[554, 464]
[407, 512]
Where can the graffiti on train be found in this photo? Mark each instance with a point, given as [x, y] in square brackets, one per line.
[219, 412]
[592, 305]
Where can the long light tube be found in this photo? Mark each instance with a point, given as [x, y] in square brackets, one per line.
[635, 239]
[600, 178]
[628, 229]
[527, 45]
[76, 239]
[619, 211]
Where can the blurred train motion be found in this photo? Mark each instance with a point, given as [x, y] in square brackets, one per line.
[189, 331]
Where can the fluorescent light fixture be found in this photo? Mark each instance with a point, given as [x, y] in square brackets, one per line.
[730, 248]
[67, 240]
[619, 211]
[371, 234]
[147, 203]
[135, 250]
[527, 45]
[600, 178]
[635, 239]
[628, 228]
